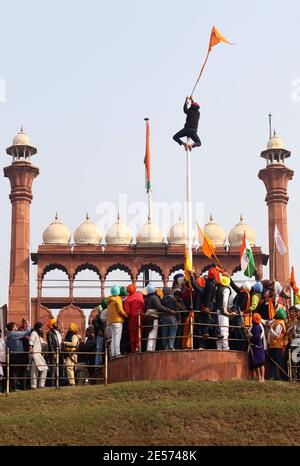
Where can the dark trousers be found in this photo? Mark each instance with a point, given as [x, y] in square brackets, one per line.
[277, 356]
[189, 133]
[18, 370]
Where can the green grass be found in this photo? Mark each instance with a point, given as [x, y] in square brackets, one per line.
[154, 413]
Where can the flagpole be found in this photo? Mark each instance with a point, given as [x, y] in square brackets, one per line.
[189, 201]
[149, 190]
[149, 204]
[274, 259]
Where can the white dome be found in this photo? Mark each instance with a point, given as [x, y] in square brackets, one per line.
[56, 233]
[87, 233]
[235, 236]
[215, 232]
[21, 139]
[178, 233]
[275, 142]
[118, 233]
[149, 233]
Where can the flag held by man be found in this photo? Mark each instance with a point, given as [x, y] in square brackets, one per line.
[280, 246]
[247, 259]
[207, 245]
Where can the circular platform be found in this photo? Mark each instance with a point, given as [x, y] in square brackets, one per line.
[180, 365]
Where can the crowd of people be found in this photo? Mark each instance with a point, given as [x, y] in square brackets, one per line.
[206, 312]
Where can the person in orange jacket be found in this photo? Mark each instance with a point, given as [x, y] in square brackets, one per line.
[134, 307]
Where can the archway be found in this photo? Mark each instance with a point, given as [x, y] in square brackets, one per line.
[55, 281]
[179, 268]
[150, 273]
[86, 281]
[117, 274]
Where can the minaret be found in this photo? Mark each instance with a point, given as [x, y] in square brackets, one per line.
[21, 175]
[276, 176]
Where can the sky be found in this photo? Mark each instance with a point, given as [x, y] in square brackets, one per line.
[81, 76]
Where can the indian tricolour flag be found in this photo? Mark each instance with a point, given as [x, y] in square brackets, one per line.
[247, 260]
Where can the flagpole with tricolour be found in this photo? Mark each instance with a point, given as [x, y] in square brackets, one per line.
[147, 169]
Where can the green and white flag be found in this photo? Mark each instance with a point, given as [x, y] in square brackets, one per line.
[247, 259]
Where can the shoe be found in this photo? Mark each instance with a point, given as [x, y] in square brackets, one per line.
[220, 337]
[200, 349]
[186, 146]
[137, 350]
[190, 147]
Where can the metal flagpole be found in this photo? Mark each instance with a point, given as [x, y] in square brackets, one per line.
[189, 201]
[150, 204]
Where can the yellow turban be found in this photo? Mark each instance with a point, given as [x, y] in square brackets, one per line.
[225, 281]
[73, 327]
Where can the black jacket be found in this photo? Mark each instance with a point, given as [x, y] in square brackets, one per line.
[209, 294]
[153, 302]
[169, 302]
[199, 293]
[192, 116]
[52, 340]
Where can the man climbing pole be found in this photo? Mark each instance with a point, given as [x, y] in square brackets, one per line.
[191, 108]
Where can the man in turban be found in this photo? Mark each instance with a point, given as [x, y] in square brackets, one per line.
[54, 341]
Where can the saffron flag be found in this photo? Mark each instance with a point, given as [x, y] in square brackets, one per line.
[147, 157]
[280, 246]
[207, 245]
[215, 38]
[247, 259]
[188, 268]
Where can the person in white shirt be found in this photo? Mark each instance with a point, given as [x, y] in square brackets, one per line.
[222, 301]
[39, 368]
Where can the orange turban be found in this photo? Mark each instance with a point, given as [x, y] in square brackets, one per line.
[256, 318]
[131, 289]
[201, 282]
[212, 273]
[51, 322]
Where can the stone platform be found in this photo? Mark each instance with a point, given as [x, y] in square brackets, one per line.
[180, 365]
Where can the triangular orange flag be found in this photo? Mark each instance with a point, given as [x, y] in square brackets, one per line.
[207, 246]
[216, 37]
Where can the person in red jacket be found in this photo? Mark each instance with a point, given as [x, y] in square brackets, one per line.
[134, 306]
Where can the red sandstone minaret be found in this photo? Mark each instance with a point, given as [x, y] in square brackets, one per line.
[276, 176]
[21, 175]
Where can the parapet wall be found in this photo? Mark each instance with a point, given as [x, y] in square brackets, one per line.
[180, 365]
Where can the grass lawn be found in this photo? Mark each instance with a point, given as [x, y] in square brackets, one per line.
[154, 413]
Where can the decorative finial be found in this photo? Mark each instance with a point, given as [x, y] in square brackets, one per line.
[274, 135]
[21, 130]
[241, 218]
[118, 217]
[87, 216]
[211, 217]
[270, 124]
[179, 218]
[56, 216]
[149, 218]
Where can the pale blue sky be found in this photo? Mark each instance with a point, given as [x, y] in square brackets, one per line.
[81, 76]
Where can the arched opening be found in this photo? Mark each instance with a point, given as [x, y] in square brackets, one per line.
[87, 281]
[150, 273]
[174, 271]
[55, 281]
[117, 274]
